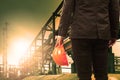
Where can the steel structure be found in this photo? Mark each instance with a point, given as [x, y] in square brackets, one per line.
[38, 56]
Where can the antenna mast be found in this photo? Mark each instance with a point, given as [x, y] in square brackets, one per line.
[5, 37]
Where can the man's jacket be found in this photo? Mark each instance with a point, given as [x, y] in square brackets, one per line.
[90, 19]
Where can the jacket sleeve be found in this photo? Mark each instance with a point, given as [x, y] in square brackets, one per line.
[114, 17]
[65, 21]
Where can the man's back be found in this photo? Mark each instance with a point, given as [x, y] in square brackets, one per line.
[91, 18]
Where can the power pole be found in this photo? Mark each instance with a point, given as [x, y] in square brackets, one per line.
[5, 36]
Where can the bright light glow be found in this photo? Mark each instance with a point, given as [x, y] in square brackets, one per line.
[0, 59]
[17, 51]
[116, 48]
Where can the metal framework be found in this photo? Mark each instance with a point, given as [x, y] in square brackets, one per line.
[38, 56]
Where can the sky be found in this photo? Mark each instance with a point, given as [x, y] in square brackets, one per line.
[25, 19]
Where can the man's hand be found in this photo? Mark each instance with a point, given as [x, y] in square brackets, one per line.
[59, 40]
[112, 42]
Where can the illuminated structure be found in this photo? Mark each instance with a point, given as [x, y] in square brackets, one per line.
[38, 58]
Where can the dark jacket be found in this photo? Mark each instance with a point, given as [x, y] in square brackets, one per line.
[90, 19]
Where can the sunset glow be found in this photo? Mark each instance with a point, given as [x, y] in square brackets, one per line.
[17, 51]
[116, 48]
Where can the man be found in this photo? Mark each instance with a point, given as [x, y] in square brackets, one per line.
[93, 28]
